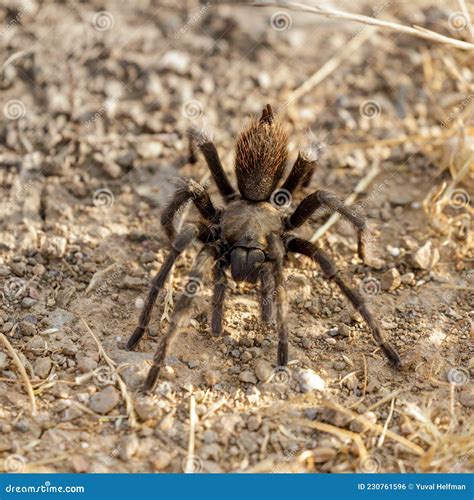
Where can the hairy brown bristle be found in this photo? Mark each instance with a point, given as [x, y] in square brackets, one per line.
[261, 154]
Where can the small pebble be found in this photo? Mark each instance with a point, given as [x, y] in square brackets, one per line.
[212, 377]
[42, 367]
[310, 381]
[4, 361]
[105, 401]
[128, 446]
[330, 340]
[161, 460]
[254, 422]
[263, 370]
[390, 280]
[248, 376]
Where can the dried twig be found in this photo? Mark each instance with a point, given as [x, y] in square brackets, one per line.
[21, 369]
[123, 388]
[414, 30]
[190, 466]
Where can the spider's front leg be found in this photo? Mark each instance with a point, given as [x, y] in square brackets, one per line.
[322, 198]
[181, 313]
[218, 297]
[330, 271]
[182, 241]
[277, 254]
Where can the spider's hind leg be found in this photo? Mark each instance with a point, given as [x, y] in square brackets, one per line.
[181, 313]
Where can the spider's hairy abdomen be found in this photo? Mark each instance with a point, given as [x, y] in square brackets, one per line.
[261, 155]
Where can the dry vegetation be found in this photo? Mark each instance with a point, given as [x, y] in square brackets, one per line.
[96, 98]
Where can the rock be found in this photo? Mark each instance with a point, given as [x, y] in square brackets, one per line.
[330, 341]
[426, 257]
[390, 280]
[161, 460]
[4, 361]
[248, 376]
[42, 367]
[146, 409]
[212, 377]
[323, 454]
[54, 247]
[128, 446]
[105, 401]
[28, 302]
[339, 366]
[58, 318]
[254, 422]
[229, 422]
[79, 464]
[27, 328]
[147, 257]
[310, 381]
[344, 330]
[209, 437]
[466, 397]
[407, 278]
[132, 283]
[263, 370]
[86, 365]
[175, 60]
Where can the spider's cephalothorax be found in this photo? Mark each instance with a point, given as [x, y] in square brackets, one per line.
[251, 235]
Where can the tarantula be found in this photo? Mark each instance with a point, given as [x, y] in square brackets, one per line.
[251, 235]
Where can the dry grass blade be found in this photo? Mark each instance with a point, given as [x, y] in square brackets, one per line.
[418, 450]
[372, 21]
[123, 388]
[21, 369]
[336, 431]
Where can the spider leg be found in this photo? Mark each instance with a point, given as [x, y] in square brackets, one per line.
[304, 247]
[277, 253]
[268, 293]
[187, 190]
[181, 313]
[204, 143]
[329, 200]
[304, 167]
[182, 241]
[220, 287]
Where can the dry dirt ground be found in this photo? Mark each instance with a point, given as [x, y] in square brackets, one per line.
[96, 99]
